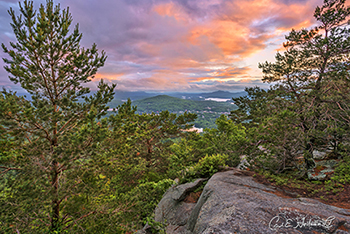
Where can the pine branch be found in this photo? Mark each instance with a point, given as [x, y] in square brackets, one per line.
[7, 169]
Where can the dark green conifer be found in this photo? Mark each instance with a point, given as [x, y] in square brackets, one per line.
[307, 107]
[52, 139]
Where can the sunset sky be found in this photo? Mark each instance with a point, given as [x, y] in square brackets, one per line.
[179, 45]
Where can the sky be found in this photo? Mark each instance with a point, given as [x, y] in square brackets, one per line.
[179, 45]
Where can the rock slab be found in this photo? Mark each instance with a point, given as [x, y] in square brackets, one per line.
[232, 203]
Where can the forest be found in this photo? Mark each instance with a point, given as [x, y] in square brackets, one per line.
[207, 111]
[67, 168]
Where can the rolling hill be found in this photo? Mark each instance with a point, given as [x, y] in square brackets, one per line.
[207, 111]
[122, 96]
[173, 104]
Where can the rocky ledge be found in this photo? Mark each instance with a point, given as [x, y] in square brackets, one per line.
[234, 203]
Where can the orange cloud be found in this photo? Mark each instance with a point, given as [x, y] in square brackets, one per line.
[109, 76]
[242, 29]
[150, 49]
[224, 74]
[171, 10]
[210, 46]
[230, 72]
[230, 37]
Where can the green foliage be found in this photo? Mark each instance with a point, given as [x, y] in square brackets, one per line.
[281, 181]
[205, 167]
[207, 111]
[146, 138]
[135, 164]
[209, 165]
[143, 199]
[207, 120]
[51, 141]
[76, 167]
[155, 227]
[226, 139]
[342, 171]
[181, 157]
[313, 187]
[172, 104]
[306, 108]
[65, 169]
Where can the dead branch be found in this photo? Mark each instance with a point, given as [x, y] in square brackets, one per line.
[75, 221]
[7, 169]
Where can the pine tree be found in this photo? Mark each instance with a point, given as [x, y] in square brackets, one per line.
[52, 139]
[310, 91]
[314, 70]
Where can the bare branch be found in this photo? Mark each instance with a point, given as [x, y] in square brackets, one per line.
[7, 169]
[75, 221]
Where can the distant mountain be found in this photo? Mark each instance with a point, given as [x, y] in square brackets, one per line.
[121, 96]
[207, 111]
[141, 95]
[202, 96]
[163, 102]
[223, 94]
[173, 104]
[124, 95]
[161, 98]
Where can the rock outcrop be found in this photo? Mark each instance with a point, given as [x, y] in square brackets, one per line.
[172, 208]
[233, 203]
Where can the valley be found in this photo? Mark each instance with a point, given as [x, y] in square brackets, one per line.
[207, 106]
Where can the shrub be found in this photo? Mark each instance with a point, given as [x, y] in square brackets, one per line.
[143, 199]
[206, 167]
[341, 172]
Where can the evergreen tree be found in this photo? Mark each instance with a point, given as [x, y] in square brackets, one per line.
[52, 140]
[311, 90]
[314, 70]
[137, 160]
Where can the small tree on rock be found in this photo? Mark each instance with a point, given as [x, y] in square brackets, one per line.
[311, 88]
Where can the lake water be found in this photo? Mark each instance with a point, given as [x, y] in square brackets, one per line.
[217, 99]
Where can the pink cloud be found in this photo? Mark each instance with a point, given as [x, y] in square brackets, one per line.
[179, 44]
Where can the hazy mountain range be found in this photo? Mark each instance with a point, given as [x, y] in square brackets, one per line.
[124, 95]
[207, 106]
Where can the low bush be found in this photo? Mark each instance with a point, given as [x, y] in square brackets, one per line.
[205, 168]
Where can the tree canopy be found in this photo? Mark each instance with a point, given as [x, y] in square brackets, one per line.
[67, 168]
[53, 138]
[307, 106]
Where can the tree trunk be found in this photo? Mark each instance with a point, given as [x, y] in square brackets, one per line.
[55, 221]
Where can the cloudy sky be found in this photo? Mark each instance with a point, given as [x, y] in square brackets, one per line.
[179, 45]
